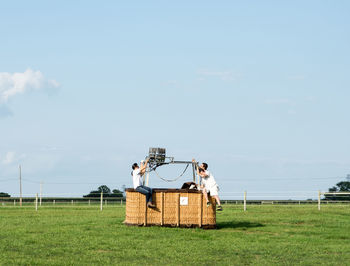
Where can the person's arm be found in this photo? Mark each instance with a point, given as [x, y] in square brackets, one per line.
[143, 167]
[198, 174]
[196, 166]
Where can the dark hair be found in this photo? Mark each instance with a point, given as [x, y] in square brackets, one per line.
[205, 166]
[201, 170]
[134, 166]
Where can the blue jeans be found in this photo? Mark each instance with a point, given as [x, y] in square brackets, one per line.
[145, 191]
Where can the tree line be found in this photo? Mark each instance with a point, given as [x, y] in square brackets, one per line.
[343, 186]
[107, 192]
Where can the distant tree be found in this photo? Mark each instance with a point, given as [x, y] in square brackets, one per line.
[104, 189]
[93, 194]
[343, 186]
[4, 195]
[116, 193]
[97, 193]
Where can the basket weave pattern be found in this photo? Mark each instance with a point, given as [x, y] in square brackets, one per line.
[169, 211]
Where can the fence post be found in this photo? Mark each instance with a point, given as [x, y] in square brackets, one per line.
[319, 200]
[53, 202]
[89, 202]
[41, 192]
[245, 201]
[36, 202]
[72, 202]
[14, 202]
[106, 202]
[101, 205]
[121, 202]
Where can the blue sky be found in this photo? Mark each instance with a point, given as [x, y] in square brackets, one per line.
[258, 89]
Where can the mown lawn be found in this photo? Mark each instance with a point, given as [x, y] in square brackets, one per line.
[264, 235]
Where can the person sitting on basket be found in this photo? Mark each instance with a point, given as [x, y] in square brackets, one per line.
[137, 174]
[208, 185]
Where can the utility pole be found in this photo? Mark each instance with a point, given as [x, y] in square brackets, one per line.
[20, 186]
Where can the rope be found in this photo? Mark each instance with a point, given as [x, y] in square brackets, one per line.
[172, 180]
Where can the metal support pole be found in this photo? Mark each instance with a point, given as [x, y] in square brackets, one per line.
[194, 172]
[147, 175]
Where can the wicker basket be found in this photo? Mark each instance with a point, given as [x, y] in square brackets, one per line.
[174, 207]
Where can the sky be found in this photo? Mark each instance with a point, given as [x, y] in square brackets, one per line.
[257, 89]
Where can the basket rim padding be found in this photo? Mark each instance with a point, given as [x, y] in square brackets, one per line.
[168, 190]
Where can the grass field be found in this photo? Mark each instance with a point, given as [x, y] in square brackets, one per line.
[264, 235]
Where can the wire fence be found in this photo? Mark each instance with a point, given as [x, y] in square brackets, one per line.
[103, 201]
[263, 197]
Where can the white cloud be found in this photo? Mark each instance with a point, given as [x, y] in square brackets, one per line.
[12, 84]
[11, 157]
[223, 75]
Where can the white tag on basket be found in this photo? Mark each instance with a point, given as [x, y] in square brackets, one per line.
[183, 200]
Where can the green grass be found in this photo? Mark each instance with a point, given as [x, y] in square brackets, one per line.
[264, 235]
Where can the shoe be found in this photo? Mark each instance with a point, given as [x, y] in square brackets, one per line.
[150, 205]
[219, 208]
[208, 203]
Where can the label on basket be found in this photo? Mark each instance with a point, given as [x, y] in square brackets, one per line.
[183, 200]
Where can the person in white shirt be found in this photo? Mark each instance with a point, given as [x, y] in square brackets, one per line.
[209, 185]
[137, 174]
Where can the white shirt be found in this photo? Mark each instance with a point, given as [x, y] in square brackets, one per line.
[136, 178]
[208, 181]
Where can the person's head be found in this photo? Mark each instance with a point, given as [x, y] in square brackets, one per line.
[135, 166]
[201, 171]
[204, 166]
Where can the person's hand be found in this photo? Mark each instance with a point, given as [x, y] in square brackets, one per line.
[193, 160]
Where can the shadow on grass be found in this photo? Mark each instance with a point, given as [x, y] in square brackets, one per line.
[233, 224]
